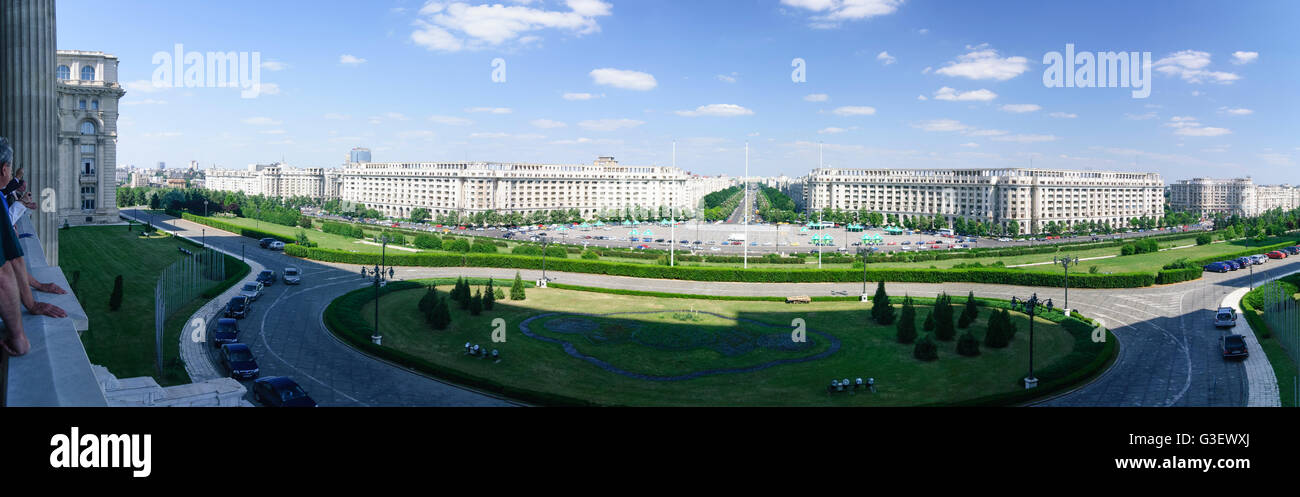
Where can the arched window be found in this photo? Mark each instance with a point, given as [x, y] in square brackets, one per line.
[87, 73]
[64, 72]
[87, 128]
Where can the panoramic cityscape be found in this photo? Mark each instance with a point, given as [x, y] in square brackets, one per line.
[591, 203]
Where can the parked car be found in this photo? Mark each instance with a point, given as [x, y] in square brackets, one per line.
[266, 277]
[265, 242]
[1217, 267]
[1259, 259]
[238, 307]
[276, 245]
[1232, 265]
[1292, 250]
[292, 276]
[239, 360]
[252, 290]
[280, 391]
[227, 331]
[1277, 254]
[1233, 346]
[1225, 317]
[1245, 261]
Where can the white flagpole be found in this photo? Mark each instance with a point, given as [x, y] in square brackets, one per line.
[745, 208]
[672, 216]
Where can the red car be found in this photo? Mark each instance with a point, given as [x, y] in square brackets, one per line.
[1277, 254]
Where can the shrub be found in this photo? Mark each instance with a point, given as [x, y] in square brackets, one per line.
[995, 334]
[475, 304]
[881, 311]
[457, 245]
[441, 314]
[489, 296]
[968, 345]
[517, 289]
[427, 302]
[500, 295]
[115, 298]
[483, 247]
[943, 329]
[907, 322]
[527, 250]
[590, 255]
[969, 313]
[1204, 239]
[929, 322]
[428, 242]
[925, 350]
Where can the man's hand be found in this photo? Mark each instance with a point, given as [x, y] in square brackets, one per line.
[49, 288]
[16, 346]
[47, 309]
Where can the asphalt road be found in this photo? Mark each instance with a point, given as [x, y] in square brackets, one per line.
[288, 338]
[1168, 356]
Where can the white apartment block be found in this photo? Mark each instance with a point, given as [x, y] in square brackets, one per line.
[1031, 197]
[276, 180]
[88, 94]
[699, 186]
[395, 188]
[1234, 196]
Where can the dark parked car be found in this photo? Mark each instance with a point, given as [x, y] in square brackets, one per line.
[1292, 250]
[1233, 346]
[265, 242]
[238, 307]
[1217, 267]
[227, 331]
[280, 391]
[266, 277]
[239, 361]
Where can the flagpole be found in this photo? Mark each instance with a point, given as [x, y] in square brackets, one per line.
[745, 210]
[672, 244]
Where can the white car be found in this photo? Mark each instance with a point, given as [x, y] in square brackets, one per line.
[292, 276]
[276, 245]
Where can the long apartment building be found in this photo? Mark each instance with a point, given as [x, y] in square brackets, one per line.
[1232, 196]
[276, 180]
[395, 188]
[1031, 197]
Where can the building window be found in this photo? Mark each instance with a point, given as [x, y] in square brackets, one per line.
[87, 73]
[94, 104]
[87, 166]
[87, 128]
[88, 149]
[88, 198]
[81, 104]
[65, 73]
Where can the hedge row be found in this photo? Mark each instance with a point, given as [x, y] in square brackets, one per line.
[343, 319]
[1168, 276]
[753, 275]
[234, 228]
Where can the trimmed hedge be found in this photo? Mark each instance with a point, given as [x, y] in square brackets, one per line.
[236, 229]
[754, 275]
[1168, 276]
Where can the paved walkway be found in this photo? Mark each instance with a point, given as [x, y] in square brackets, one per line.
[1259, 372]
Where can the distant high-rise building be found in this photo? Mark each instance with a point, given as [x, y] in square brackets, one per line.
[359, 155]
[162, 165]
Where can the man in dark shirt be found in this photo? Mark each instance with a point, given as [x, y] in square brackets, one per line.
[15, 284]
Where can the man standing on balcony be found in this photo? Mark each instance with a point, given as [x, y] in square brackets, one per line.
[15, 284]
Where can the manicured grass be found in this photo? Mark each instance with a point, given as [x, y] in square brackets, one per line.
[123, 340]
[1284, 368]
[867, 350]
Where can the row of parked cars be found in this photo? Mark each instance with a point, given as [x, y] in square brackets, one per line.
[275, 391]
[1247, 261]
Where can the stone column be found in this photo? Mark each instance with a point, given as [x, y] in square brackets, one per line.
[29, 105]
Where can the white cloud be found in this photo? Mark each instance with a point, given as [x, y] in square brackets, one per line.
[1236, 111]
[831, 131]
[261, 121]
[351, 60]
[1240, 58]
[272, 132]
[983, 62]
[817, 97]
[985, 132]
[588, 141]
[830, 13]
[1021, 108]
[627, 80]
[1024, 138]
[953, 95]
[970, 145]
[274, 65]
[547, 124]
[1140, 117]
[451, 120]
[727, 79]
[1275, 159]
[582, 96]
[454, 26]
[609, 124]
[163, 134]
[419, 133]
[269, 89]
[941, 125]
[333, 116]
[490, 110]
[144, 86]
[396, 116]
[921, 98]
[885, 58]
[1063, 115]
[855, 111]
[1190, 126]
[716, 110]
[1190, 66]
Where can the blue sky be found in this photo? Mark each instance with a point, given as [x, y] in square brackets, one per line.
[412, 80]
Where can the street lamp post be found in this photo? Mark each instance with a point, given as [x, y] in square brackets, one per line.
[1030, 308]
[1066, 262]
[203, 235]
[862, 251]
[545, 243]
[377, 339]
[205, 208]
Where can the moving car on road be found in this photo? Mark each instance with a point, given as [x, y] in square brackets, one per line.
[238, 307]
[1225, 317]
[252, 290]
[265, 242]
[280, 391]
[292, 276]
[266, 277]
[239, 361]
[276, 245]
[1233, 346]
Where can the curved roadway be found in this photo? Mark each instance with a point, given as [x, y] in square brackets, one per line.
[1169, 352]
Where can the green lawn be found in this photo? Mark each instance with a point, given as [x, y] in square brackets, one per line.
[669, 341]
[123, 340]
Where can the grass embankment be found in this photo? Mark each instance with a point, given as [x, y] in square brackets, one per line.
[1271, 340]
[123, 340]
[668, 341]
